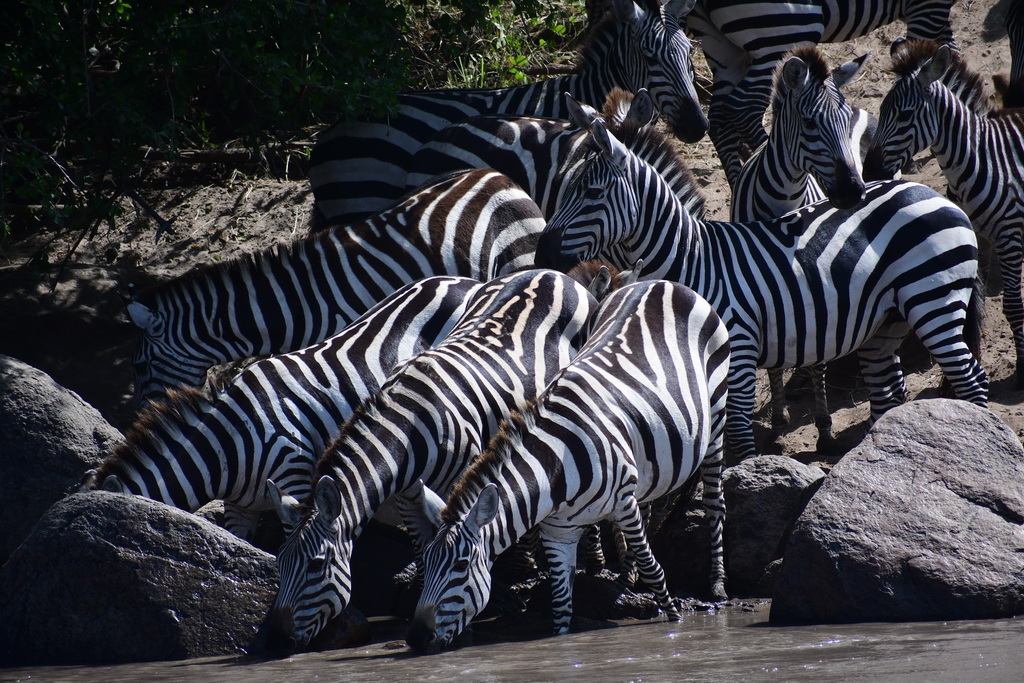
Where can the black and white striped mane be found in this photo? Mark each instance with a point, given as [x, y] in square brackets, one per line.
[908, 56]
[817, 68]
[178, 406]
[485, 468]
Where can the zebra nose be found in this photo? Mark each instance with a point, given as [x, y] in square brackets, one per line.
[874, 166]
[278, 632]
[422, 636]
[549, 252]
[848, 189]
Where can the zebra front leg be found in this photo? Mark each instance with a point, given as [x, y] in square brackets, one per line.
[822, 416]
[560, 545]
[739, 429]
[776, 387]
[629, 521]
[1008, 249]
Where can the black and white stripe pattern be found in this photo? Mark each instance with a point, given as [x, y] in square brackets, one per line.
[431, 416]
[542, 155]
[814, 143]
[744, 39]
[638, 411]
[276, 417]
[807, 288]
[357, 168]
[939, 103]
[476, 224]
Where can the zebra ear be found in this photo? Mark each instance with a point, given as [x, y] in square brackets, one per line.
[627, 11]
[680, 8]
[601, 283]
[641, 110]
[328, 498]
[580, 114]
[794, 74]
[896, 45]
[628, 277]
[849, 71]
[934, 68]
[289, 510]
[608, 144]
[113, 485]
[141, 315]
[484, 510]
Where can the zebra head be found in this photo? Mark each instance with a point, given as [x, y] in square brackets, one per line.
[314, 567]
[907, 119]
[457, 574]
[659, 57]
[600, 215]
[157, 364]
[815, 123]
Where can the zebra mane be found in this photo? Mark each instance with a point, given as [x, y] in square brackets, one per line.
[179, 406]
[817, 68]
[968, 86]
[485, 467]
[661, 152]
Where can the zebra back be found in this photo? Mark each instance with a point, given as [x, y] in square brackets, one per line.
[434, 412]
[803, 289]
[600, 440]
[276, 416]
[476, 224]
[543, 155]
[356, 168]
[810, 145]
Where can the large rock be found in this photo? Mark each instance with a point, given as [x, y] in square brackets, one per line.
[764, 496]
[107, 578]
[49, 437]
[922, 521]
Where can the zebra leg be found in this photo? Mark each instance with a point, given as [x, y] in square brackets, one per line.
[1008, 248]
[739, 430]
[592, 549]
[629, 521]
[714, 510]
[780, 413]
[560, 550]
[822, 416]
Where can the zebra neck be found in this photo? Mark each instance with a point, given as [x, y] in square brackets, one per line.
[669, 250]
[962, 140]
[777, 184]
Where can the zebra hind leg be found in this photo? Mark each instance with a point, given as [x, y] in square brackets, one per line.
[713, 500]
[560, 544]
[629, 521]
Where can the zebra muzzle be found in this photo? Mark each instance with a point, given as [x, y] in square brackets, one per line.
[278, 633]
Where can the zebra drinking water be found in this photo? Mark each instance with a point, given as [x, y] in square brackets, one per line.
[744, 39]
[806, 288]
[277, 415]
[435, 412]
[634, 415]
[358, 168]
[476, 224]
[939, 102]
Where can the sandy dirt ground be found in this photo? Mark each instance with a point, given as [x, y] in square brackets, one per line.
[63, 315]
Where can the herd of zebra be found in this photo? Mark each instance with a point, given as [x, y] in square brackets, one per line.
[512, 298]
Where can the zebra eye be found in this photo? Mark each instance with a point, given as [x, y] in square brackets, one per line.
[461, 565]
[810, 124]
[594, 193]
[316, 565]
[905, 115]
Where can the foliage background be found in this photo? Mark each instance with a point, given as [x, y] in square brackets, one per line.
[93, 91]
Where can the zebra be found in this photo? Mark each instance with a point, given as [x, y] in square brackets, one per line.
[630, 419]
[542, 155]
[426, 421]
[939, 102]
[275, 417]
[744, 39]
[813, 143]
[1012, 89]
[809, 287]
[356, 168]
[476, 224]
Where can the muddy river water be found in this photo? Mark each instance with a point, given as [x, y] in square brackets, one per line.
[729, 645]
